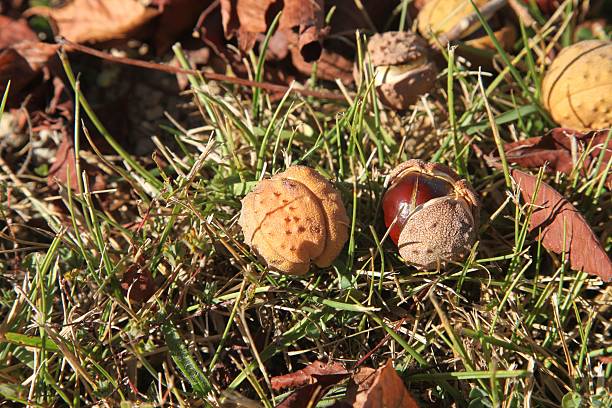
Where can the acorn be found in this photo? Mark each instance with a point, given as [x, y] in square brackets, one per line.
[577, 88]
[402, 67]
[456, 19]
[295, 218]
[431, 213]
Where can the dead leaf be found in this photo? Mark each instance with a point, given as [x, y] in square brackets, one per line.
[177, 17]
[64, 164]
[138, 284]
[555, 150]
[14, 31]
[305, 375]
[561, 222]
[22, 56]
[84, 21]
[309, 395]
[330, 66]
[314, 380]
[381, 388]
[301, 22]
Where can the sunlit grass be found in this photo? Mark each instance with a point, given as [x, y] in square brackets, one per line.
[511, 322]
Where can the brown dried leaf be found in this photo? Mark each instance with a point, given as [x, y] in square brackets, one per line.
[558, 217]
[301, 21]
[316, 379]
[555, 149]
[381, 388]
[177, 17]
[305, 375]
[138, 284]
[64, 165]
[330, 66]
[310, 394]
[96, 20]
[22, 56]
[14, 31]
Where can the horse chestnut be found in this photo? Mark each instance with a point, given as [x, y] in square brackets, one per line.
[431, 213]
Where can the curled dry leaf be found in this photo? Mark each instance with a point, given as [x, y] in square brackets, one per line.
[381, 388]
[97, 21]
[561, 223]
[301, 23]
[555, 150]
[307, 375]
[330, 66]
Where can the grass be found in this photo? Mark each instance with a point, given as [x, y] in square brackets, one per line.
[511, 323]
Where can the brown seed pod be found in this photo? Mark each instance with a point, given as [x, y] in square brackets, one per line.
[294, 218]
[577, 88]
[402, 67]
[456, 20]
[431, 213]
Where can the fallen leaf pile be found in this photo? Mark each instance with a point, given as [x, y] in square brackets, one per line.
[367, 387]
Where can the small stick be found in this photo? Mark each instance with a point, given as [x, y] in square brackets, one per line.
[208, 75]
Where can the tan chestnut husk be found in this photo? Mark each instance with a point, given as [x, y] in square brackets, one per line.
[295, 218]
[442, 18]
[434, 212]
[402, 66]
[577, 87]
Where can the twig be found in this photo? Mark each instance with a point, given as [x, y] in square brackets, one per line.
[71, 46]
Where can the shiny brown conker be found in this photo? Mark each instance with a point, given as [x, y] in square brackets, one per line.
[432, 214]
[405, 195]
